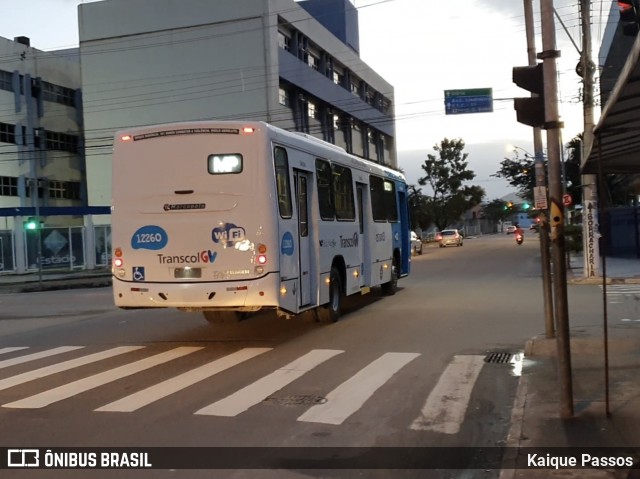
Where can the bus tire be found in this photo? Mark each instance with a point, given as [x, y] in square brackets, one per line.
[330, 312]
[220, 317]
[391, 287]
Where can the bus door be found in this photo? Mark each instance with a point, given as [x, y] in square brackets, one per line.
[363, 245]
[301, 181]
[405, 247]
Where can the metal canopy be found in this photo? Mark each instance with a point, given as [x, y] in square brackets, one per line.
[617, 134]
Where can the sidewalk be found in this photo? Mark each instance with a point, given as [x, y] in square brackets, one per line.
[52, 280]
[536, 421]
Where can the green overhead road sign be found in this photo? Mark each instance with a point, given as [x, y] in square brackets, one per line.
[475, 100]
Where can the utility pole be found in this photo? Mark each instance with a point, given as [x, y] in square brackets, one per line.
[590, 246]
[541, 182]
[553, 125]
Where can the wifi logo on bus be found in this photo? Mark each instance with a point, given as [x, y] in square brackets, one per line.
[228, 233]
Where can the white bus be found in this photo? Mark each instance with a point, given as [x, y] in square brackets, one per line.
[228, 218]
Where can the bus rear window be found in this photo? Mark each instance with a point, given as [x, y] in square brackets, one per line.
[224, 164]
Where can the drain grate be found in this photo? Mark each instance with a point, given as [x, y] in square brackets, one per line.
[498, 358]
[296, 400]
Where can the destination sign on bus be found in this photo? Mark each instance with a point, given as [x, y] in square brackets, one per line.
[187, 131]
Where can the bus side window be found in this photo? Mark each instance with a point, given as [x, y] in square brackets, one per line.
[391, 201]
[343, 193]
[378, 208]
[283, 186]
[325, 189]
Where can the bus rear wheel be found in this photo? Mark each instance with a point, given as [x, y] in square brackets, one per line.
[220, 317]
[330, 313]
[391, 287]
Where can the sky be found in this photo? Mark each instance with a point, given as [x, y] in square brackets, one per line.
[421, 47]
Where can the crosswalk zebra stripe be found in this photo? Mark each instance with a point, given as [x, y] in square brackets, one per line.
[347, 398]
[256, 392]
[154, 393]
[10, 350]
[42, 354]
[447, 403]
[82, 385]
[64, 366]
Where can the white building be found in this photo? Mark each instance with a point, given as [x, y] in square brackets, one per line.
[42, 166]
[40, 127]
[265, 60]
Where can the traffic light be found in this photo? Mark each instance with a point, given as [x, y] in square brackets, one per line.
[629, 17]
[530, 111]
[31, 224]
[526, 206]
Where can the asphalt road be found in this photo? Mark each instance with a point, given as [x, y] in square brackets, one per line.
[404, 371]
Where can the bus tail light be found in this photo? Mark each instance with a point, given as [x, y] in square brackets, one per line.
[125, 138]
[248, 130]
[261, 259]
[118, 263]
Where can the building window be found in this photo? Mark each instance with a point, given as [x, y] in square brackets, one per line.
[312, 110]
[72, 190]
[61, 141]
[6, 82]
[355, 87]
[67, 190]
[284, 41]
[386, 106]
[338, 78]
[313, 61]
[283, 97]
[8, 186]
[7, 133]
[56, 189]
[58, 94]
[370, 96]
[336, 122]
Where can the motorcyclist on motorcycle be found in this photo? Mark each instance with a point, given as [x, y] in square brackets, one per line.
[518, 231]
[518, 234]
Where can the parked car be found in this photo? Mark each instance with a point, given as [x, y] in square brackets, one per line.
[450, 238]
[511, 230]
[416, 244]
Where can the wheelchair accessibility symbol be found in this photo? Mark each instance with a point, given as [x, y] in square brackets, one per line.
[138, 273]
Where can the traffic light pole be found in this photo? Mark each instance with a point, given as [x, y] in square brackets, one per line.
[541, 181]
[556, 220]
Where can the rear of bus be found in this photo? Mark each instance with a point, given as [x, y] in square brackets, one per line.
[193, 217]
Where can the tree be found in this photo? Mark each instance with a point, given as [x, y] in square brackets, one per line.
[445, 174]
[496, 210]
[520, 173]
[418, 210]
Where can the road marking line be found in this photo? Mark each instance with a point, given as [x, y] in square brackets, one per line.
[256, 392]
[32, 357]
[447, 403]
[82, 385]
[347, 398]
[10, 350]
[158, 391]
[64, 366]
